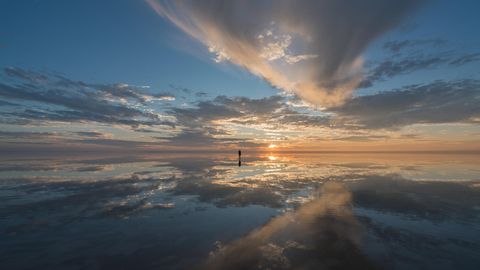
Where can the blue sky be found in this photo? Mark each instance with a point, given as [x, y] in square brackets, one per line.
[112, 41]
[153, 50]
[124, 40]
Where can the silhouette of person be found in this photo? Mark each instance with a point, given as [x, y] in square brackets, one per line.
[239, 158]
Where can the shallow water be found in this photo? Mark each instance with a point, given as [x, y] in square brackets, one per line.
[276, 211]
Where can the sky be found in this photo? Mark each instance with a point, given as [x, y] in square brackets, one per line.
[263, 75]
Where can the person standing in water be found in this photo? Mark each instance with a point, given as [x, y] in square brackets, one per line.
[239, 158]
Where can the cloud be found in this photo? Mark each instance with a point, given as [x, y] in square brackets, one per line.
[362, 138]
[204, 112]
[203, 137]
[112, 142]
[405, 60]
[44, 98]
[211, 121]
[390, 68]
[126, 91]
[312, 48]
[56, 98]
[224, 122]
[396, 46]
[242, 110]
[90, 134]
[274, 111]
[32, 77]
[298, 119]
[26, 135]
[436, 102]
[199, 123]
[244, 105]
[465, 59]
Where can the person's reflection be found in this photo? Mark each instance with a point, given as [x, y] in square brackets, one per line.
[321, 234]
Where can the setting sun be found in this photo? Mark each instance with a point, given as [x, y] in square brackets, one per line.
[271, 146]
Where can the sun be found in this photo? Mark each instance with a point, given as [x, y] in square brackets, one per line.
[271, 146]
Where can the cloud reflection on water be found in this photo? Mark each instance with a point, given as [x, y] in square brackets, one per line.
[321, 234]
[429, 204]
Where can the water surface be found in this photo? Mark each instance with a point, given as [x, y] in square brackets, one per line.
[276, 211]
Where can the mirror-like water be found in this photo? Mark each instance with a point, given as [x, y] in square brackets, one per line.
[276, 211]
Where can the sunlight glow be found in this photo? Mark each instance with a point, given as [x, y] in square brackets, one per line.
[271, 146]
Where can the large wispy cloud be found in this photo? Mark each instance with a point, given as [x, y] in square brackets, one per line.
[312, 48]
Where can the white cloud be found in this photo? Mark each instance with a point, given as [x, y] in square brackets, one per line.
[311, 47]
